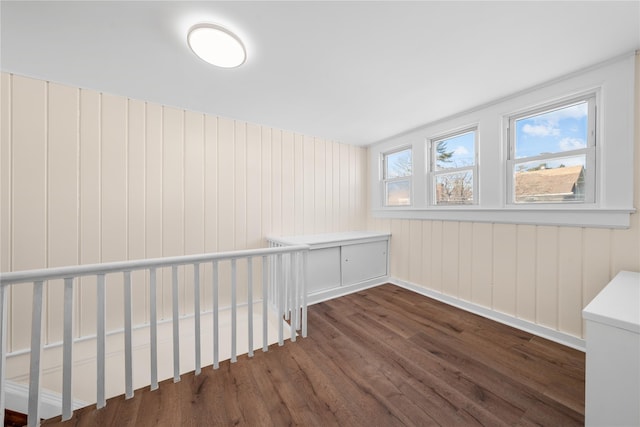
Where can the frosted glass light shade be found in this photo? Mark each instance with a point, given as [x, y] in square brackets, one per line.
[216, 45]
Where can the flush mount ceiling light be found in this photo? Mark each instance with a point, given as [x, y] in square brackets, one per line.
[216, 45]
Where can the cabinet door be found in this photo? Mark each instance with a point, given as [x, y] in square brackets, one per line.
[363, 261]
[323, 269]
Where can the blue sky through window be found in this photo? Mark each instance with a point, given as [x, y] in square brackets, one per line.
[462, 149]
[556, 131]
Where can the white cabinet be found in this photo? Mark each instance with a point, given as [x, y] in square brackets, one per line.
[613, 354]
[342, 263]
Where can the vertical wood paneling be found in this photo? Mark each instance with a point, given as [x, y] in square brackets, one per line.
[143, 189]
[570, 280]
[464, 265]
[266, 182]
[153, 192]
[194, 183]
[450, 257]
[547, 276]
[254, 188]
[288, 185]
[504, 268]
[136, 172]
[596, 265]
[625, 244]
[526, 272]
[329, 179]
[319, 181]
[90, 209]
[481, 265]
[5, 172]
[62, 197]
[29, 197]
[436, 256]
[277, 171]
[415, 251]
[240, 187]
[211, 203]
[5, 187]
[211, 184]
[226, 177]
[396, 248]
[344, 187]
[360, 171]
[337, 198]
[113, 190]
[308, 179]
[427, 279]
[193, 198]
[172, 197]
[353, 224]
[298, 182]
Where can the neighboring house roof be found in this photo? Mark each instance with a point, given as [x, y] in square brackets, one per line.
[557, 181]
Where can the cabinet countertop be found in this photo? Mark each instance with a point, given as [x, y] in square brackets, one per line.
[618, 304]
[328, 238]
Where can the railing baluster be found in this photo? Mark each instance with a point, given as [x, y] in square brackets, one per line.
[176, 324]
[67, 351]
[3, 347]
[234, 310]
[33, 418]
[196, 314]
[286, 283]
[250, 302]
[216, 335]
[265, 304]
[280, 300]
[100, 340]
[283, 288]
[305, 278]
[153, 327]
[292, 295]
[128, 350]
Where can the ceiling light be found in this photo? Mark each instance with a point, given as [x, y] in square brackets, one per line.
[216, 45]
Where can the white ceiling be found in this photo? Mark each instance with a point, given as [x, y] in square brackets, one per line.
[354, 72]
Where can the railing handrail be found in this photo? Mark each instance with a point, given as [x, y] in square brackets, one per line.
[284, 274]
[27, 276]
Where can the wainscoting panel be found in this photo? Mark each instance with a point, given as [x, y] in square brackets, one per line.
[89, 177]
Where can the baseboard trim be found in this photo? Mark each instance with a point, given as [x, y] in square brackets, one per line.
[341, 291]
[524, 325]
[17, 400]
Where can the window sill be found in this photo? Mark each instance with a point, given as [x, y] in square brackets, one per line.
[540, 215]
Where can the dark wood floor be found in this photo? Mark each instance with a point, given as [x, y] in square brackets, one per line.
[381, 357]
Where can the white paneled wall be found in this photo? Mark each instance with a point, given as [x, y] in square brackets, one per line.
[544, 275]
[87, 177]
[541, 274]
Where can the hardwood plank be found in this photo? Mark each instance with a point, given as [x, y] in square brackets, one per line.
[384, 356]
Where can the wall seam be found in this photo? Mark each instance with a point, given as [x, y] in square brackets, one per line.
[45, 308]
[11, 210]
[78, 299]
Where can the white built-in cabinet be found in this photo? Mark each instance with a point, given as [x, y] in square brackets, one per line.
[613, 354]
[341, 263]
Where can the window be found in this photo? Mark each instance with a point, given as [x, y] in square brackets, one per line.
[397, 172]
[552, 154]
[454, 168]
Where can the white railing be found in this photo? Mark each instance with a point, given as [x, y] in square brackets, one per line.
[283, 288]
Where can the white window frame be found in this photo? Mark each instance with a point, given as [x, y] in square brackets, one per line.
[614, 83]
[589, 151]
[385, 180]
[434, 172]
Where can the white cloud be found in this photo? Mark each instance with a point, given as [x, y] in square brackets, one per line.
[574, 112]
[460, 151]
[567, 144]
[543, 129]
